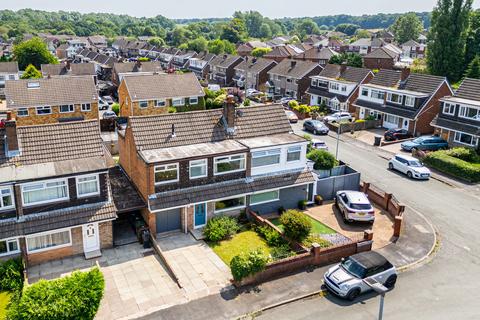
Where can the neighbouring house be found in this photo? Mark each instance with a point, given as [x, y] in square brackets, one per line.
[252, 73]
[193, 166]
[69, 49]
[337, 86]
[279, 41]
[119, 44]
[317, 54]
[55, 200]
[381, 58]
[103, 63]
[402, 100]
[8, 71]
[458, 121]
[314, 40]
[365, 46]
[122, 69]
[69, 69]
[291, 78]
[140, 95]
[154, 53]
[98, 41]
[200, 64]
[385, 35]
[422, 39]
[52, 100]
[245, 49]
[180, 60]
[222, 69]
[413, 49]
[282, 52]
[166, 57]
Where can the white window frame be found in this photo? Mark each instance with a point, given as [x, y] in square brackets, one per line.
[389, 97]
[364, 90]
[43, 108]
[314, 83]
[159, 103]
[69, 244]
[474, 139]
[141, 102]
[447, 108]
[84, 105]
[229, 159]
[2, 207]
[97, 177]
[409, 101]
[377, 92]
[266, 201]
[71, 108]
[157, 168]
[193, 100]
[22, 115]
[297, 149]
[44, 182]
[267, 153]
[175, 102]
[334, 86]
[464, 110]
[198, 163]
[7, 241]
[232, 208]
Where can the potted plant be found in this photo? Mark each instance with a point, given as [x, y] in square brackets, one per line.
[302, 204]
[318, 200]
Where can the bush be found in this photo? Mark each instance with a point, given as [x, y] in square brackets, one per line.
[247, 264]
[445, 161]
[116, 108]
[220, 228]
[73, 297]
[370, 117]
[281, 252]
[296, 225]
[323, 159]
[246, 102]
[308, 241]
[271, 236]
[11, 275]
[293, 104]
[465, 154]
[172, 110]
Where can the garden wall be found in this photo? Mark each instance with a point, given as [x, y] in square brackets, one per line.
[356, 126]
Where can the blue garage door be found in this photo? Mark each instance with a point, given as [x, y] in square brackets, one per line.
[168, 220]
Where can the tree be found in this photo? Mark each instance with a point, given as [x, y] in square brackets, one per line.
[265, 31]
[407, 27]
[216, 46]
[235, 31]
[31, 73]
[350, 59]
[157, 42]
[33, 51]
[179, 36]
[473, 38]
[148, 31]
[473, 70]
[229, 47]
[447, 38]
[362, 34]
[305, 27]
[348, 28]
[260, 52]
[198, 45]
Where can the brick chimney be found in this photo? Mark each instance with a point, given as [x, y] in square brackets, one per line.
[138, 65]
[405, 74]
[11, 137]
[343, 68]
[68, 65]
[293, 63]
[229, 114]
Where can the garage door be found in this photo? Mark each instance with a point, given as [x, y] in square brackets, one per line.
[168, 220]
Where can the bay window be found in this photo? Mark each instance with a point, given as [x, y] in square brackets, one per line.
[6, 198]
[229, 164]
[294, 153]
[229, 204]
[198, 169]
[48, 241]
[266, 157]
[9, 246]
[166, 173]
[265, 197]
[43, 192]
[88, 186]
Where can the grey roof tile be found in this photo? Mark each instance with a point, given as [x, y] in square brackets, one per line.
[293, 68]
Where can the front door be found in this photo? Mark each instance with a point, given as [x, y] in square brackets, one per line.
[200, 215]
[91, 239]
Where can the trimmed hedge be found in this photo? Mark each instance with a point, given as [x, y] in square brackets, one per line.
[11, 275]
[247, 264]
[454, 162]
[220, 228]
[73, 297]
[323, 159]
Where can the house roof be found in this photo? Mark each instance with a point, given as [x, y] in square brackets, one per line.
[124, 194]
[271, 140]
[9, 67]
[76, 69]
[225, 60]
[351, 74]
[139, 66]
[283, 51]
[317, 53]
[381, 53]
[424, 83]
[255, 65]
[362, 42]
[456, 125]
[386, 78]
[293, 68]
[411, 43]
[154, 132]
[50, 92]
[469, 89]
[163, 86]
[181, 197]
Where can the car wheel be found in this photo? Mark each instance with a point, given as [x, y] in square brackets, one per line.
[353, 294]
[390, 283]
[409, 175]
[390, 166]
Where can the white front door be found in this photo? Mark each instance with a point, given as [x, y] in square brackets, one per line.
[91, 239]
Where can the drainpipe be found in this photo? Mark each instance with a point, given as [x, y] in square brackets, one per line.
[415, 128]
[185, 215]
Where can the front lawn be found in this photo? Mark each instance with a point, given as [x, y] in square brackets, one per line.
[317, 226]
[4, 300]
[242, 242]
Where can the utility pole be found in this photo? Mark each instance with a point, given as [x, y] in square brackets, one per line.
[380, 289]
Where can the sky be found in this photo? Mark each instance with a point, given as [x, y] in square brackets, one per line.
[225, 8]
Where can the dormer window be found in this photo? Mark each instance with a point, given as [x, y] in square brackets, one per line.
[409, 101]
[364, 92]
[314, 82]
[375, 94]
[449, 108]
[6, 198]
[395, 98]
[334, 86]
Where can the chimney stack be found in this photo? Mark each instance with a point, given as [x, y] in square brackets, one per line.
[343, 68]
[229, 114]
[68, 65]
[405, 74]
[293, 63]
[11, 137]
[138, 65]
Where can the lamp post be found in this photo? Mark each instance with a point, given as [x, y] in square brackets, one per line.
[380, 289]
[338, 140]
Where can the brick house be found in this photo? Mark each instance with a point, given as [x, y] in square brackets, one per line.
[180, 60]
[317, 54]
[166, 56]
[283, 52]
[200, 65]
[140, 95]
[253, 73]
[192, 166]
[458, 121]
[381, 58]
[337, 86]
[122, 69]
[8, 71]
[413, 49]
[402, 100]
[52, 100]
[55, 196]
[291, 78]
[222, 69]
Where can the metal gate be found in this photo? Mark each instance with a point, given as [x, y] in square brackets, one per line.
[168, 220]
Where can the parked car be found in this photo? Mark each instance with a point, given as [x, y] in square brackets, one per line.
[315, 126]
[252, 93]
[292, 117]
[338, 117]
[409, 166]
[109, 114]
[354, 206]
[102, 105]
[396, 134]
[320, 145]
[108, 99]
[347, 279]
[430, 143]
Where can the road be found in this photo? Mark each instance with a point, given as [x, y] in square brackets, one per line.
[447, 287]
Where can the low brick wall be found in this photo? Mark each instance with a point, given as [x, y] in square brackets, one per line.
[355, 126]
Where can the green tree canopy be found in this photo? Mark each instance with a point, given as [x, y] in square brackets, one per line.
[350, 59]
[260, 52]
[33, 51]
[198, 45]
[473, 38]
[407, 27]
[216, 46]
[235, 31]
[31, 73]
[347, 28]
[305, 27]
[473, 70]
[362, 34]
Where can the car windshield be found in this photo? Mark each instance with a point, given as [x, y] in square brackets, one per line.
[360, 206]
[415, 163]
[353, 268]
[317, 123]
[418, 140]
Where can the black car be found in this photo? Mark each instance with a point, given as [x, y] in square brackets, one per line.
[315, 126]
[396, 134]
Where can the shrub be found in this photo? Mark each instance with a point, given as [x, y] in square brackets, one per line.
[445, 162]
[370, 117]
[296, 225]
[172, 110]
[293, 103]
[247, 264]
[309, 138]
[246, 102]
[323, 159]
[11, 275]
[116, 108]
[220, 228]
[271, 236]
[73, 297]
[465, 154]
[308, 241]
[281, 252]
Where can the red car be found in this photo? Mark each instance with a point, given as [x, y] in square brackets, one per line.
[396, 134]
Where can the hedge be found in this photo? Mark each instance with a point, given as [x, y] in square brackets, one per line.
[296, 225]
[73, 297]
[11, 275]
[247, 264]
[220, 228]
[451, 162]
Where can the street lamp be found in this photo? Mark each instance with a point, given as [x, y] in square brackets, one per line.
[339, 131]
[380, 289]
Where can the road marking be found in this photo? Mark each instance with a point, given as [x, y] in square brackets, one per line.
[421, 228]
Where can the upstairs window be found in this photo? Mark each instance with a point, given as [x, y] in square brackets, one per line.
[334, 86]
[409, 101]
[23, 112]
[67, 108]
[314, 82]
[229, 164]
[198, 169]
[166, 173]
[88, 186]
[375, 94]
[395, 98]
[86, 107]
[6, 198]
[143, 104]
[266, 158]
[364, 92]
[469, 113]
[294, 153]
[344, 89]
[44, 110]
[44, 192]
[448, 108]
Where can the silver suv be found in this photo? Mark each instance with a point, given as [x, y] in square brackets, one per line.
[354, 206]
[347, 279]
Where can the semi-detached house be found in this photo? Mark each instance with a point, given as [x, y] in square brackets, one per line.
[192, 166]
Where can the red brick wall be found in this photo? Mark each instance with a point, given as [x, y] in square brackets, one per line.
[430, 111]
[372, 63]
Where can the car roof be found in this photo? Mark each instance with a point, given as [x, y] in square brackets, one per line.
[356, 197]
[406, 157]
[369, 259]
